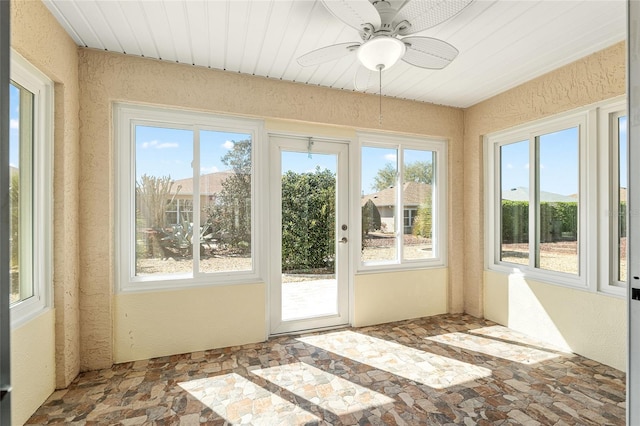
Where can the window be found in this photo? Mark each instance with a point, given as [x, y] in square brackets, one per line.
[30, 170]
[556, 199]
[190, 179]
[614, 157]
[538, 200]
[402, 202]
[619, 192]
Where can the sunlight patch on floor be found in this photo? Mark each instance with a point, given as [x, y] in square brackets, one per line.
[240, 401]
[324, 389]
[495, 348]
[430, 369]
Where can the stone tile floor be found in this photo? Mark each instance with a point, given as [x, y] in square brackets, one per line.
[449, 369]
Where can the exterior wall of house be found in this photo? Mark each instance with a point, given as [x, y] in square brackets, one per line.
[290, 107]
[595, 78]
[38, 37]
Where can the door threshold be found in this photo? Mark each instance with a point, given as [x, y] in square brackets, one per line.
[309, 330]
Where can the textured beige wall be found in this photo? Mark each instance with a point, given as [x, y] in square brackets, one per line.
[33, 370]
[592, 325]
[396, 296]
[148, 325]
[38, 37]
[597, 77]
[107, 77]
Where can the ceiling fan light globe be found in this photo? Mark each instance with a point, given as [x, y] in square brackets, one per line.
[381, 50]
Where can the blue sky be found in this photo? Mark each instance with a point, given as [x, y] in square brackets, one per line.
[164, 151]
[169, 152]
[558, 163]
[14, 113]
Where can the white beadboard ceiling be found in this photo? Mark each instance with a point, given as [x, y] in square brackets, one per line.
[502, 43]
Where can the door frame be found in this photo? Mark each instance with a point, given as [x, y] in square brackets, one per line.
[5, 286]
[293, 142]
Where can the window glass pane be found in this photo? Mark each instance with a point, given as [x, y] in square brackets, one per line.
[558, 195]
[21, 192]
[622, 199]
[225, 201]
[514, 212]
[164, 196]
[379, 180]
[417, 204]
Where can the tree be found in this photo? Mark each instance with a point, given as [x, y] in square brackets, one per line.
[230, 215]
[308, 220]
[371, 220]
[14, 220]
[418, 171]
[152, 196]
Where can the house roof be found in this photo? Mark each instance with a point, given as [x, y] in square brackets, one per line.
[414, 194]
[521, 193]
[210, 184]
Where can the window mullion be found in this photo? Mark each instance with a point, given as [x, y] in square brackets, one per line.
[195, 202]
[399, 231]
[534, 204]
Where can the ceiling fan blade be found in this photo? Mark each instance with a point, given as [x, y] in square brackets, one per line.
[427, 52]
[424, 14]
[354, 13]
[365, 79]
[327, 54]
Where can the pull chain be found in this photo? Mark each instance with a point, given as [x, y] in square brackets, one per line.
[380, 67]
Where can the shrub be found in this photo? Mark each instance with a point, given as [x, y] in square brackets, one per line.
[308, 220]
[556, 218]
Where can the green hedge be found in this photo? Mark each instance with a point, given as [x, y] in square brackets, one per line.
[558, 221]
[308, 220]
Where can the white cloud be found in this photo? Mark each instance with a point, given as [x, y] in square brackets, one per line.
[526, 166]
[390, 157]
[159, 145]
[228, 145]
[13, 165]
[207, 170]
[14, 124]
[509, 166]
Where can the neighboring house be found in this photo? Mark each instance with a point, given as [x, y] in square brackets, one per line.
[413, 194]
[180, 206]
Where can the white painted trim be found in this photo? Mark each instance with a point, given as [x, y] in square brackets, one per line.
[340, 148]
[595, 186]
[41, 86]
[126, 116]
[440, 235]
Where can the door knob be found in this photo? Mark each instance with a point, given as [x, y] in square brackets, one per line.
[343, 240]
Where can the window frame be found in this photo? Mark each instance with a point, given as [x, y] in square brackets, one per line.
[531, 132]
[608, 154]
[440, 229]
[31, 79]
[596, 168]
[126, 117]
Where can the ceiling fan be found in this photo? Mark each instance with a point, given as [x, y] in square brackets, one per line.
[384, 26]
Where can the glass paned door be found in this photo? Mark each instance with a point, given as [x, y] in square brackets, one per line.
[309, 206]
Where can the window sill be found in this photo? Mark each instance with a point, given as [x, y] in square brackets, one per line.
[386, 268]
[546, 277]
[171, 284]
